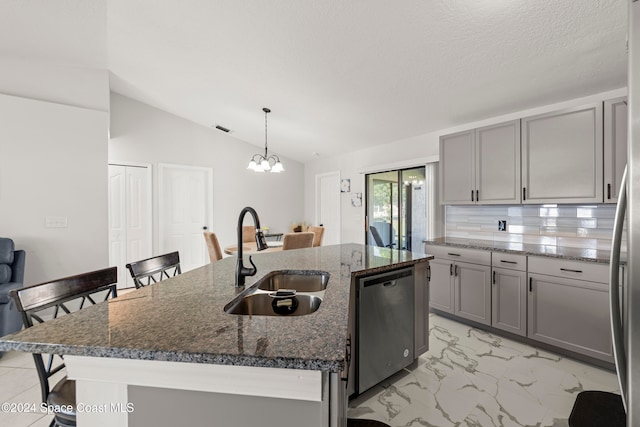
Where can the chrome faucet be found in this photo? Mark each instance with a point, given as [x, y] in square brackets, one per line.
[261, 244]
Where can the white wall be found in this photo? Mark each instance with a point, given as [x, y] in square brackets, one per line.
[144, 134]
[401, 154]
[53, 163]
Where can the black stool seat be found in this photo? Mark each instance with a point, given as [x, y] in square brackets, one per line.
[598, 409]
[357, 422]
[63, 396]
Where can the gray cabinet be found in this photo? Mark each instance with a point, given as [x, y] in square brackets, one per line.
[509, 294]
[441, 284]
[459, 282]
[562, 156]
[457, 168]
[568, 306]
[615, 146]
[421, 309]
[481, 166]
[472, 292]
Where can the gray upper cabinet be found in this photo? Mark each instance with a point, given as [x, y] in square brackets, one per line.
[481, 166]
[615, 146]
[498, 164]
[562, 156]
[457, 168]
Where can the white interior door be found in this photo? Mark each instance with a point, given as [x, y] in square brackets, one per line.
[129, 217]
[185, 209]
[328, 206]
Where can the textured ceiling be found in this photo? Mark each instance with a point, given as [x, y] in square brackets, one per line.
[338, 75]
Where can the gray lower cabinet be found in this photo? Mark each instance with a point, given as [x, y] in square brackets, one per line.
[441, 284]
[570, 313]
[459, 282]
[472, 292]
[421, 327]
[509, 300]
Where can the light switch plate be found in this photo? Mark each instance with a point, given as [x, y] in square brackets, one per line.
[502, 225]
[55, 222]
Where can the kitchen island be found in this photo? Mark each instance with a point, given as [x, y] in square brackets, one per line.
[169, 353]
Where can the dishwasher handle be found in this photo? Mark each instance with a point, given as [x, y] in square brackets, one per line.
[387, 279]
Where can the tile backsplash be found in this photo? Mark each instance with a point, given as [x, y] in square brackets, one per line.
[576, 226]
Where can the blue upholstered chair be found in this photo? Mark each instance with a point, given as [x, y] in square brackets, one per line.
[11, 277]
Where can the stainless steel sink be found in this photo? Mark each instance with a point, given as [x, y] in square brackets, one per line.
[298, 280]
[267, 304]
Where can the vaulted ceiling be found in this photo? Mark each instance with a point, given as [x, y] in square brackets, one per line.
[338, 75]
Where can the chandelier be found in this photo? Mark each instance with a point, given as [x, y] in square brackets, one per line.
[260, 163]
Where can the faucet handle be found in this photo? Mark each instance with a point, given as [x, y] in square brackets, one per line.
[253, 269]
[261, 243]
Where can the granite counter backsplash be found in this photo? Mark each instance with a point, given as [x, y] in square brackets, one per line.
[569, 253]
[182, 319]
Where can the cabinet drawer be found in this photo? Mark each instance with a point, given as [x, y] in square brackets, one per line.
[473, 256]
[588, 271]
[511, 261]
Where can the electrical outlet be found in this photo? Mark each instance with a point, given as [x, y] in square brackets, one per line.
[502, 225]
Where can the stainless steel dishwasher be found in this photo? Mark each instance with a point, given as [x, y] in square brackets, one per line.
[385, 325]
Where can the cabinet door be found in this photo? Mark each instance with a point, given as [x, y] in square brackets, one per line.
[457, 168]
[562, 156]
[509, 300]
[615, 146]
[421, 309]
[472, 292]
[498, 163]
[571, 314]
[440, 285]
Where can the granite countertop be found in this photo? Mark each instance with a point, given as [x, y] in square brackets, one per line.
[576, 254]
[183, 320]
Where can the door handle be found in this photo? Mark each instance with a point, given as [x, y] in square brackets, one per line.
[472, 196]
[455, 270]
[494, 277]
[524, 193]
[477, 196]
[508, 262]
[204, 227]
[450, 269]
[570, 270]
[530, 284]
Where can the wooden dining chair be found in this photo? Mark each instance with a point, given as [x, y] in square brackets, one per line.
[248, 233]
[297, 240]
[318, 234]
[215, 253]
[62, 296]
[152, 270]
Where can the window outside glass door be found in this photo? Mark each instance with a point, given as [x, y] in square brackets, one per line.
[396, 208]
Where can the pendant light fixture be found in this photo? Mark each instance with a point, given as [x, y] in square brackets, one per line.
[260, 163]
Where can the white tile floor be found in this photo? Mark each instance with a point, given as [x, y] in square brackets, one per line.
[475, 379]
[467, 378]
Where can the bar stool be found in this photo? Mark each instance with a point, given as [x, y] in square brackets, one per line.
[152, 270]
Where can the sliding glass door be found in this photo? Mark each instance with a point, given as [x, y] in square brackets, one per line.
[396, 208]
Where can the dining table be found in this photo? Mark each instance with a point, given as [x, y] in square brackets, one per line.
[252, 248]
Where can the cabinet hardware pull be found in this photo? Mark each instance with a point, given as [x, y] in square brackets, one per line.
[570, 270]
[452, 254]
[608, 191]
[494, 277]
[472, 196]
[450, 269]
[508, 262]
[524, 193]
[455, 271]
[429, 274]
[477, 196]
[530, 284]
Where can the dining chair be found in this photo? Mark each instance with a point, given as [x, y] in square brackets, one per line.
[318, 234]
[152, 270]
[248, 233]
[62, 296]
[215, 253]
[297, 240]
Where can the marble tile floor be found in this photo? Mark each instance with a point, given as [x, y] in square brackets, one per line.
[468, 378]
[471, 378]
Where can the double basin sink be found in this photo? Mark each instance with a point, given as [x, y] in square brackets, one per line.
[282, 293]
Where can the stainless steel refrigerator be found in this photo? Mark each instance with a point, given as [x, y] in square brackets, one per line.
[626, 319]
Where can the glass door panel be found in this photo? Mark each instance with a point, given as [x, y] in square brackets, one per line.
[396, 208]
